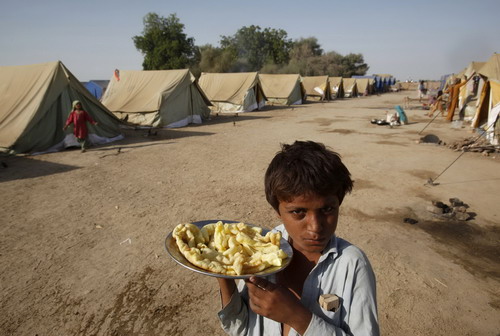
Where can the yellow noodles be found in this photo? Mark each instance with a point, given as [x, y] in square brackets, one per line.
[230, 249]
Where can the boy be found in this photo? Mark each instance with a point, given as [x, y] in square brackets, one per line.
[306, 183]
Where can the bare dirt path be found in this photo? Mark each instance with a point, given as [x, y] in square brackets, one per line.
[81, 235]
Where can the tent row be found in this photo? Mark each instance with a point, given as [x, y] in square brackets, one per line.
[228, 91]
[173, 98]
[327, 88]
[36, 100]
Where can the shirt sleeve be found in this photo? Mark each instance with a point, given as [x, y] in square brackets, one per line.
[234, 316]
[69, 121]
[363, 318]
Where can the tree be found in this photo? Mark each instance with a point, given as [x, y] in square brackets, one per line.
[354, 64]
[305, 48]
[277, 46]
[164, 45]
[305, 55]
[308, 59]
[213, 59]
[255, 47]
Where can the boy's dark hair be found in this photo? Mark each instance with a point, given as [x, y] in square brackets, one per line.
[305, 167]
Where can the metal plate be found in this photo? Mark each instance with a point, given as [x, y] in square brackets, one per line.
[174, 252]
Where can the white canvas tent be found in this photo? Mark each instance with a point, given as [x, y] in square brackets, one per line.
[488, 110]
[233, 92]
[363, 86]
[470, 92]
[336, 87]
[35, 101]
[350, 88]
[282, 89]
[159, 98]
[317, 87]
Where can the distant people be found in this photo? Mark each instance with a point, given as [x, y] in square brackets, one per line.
[79, 118]
[437, 103]
[421, 90]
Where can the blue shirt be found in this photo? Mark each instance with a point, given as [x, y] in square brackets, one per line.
[344, 270]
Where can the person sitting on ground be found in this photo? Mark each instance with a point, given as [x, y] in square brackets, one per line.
[438, 103]
[306, 183]
[79, 118]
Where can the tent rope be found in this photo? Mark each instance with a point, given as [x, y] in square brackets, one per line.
[437, 114]
[432, 181]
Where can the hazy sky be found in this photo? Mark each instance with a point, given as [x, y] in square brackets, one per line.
[408, 39]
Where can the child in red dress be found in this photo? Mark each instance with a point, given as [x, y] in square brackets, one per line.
[79, 117]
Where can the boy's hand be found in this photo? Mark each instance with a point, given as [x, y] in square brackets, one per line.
[277, 303]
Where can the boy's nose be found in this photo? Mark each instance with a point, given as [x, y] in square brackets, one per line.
[316, 221]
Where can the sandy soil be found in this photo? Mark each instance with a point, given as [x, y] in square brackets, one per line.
[82, 235]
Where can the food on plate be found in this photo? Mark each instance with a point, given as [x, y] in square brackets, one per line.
[229, 248]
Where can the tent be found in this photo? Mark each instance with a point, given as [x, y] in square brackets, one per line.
[363, 86]
[470, 92]
[444, 80]
[336, 87]
[487, 114]
[233, 92]
[350, 88]
[488, 110]
[491, 68]
[317, 87]
[473, 68]
[384, 81]
[35, 101]
[97, 87]
[282, 89]
[375, 83]
[159, 98]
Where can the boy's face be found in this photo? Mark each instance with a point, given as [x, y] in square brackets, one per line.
[310, 220]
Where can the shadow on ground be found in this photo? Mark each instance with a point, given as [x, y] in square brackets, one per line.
[17, 168]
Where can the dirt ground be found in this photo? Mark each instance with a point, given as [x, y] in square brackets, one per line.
[82, 235]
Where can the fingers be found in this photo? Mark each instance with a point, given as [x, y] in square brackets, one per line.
[262, 284]
[262, 295]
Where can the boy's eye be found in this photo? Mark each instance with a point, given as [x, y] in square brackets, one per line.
[297, 211]
[328, 209]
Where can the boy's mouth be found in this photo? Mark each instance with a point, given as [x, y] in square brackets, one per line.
[315, 241]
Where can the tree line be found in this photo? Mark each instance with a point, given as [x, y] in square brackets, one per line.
[165, 46]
